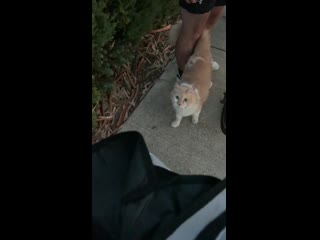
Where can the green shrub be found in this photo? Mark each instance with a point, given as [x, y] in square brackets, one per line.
[117, 28]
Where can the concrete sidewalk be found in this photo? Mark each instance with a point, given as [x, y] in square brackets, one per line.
[188, 149]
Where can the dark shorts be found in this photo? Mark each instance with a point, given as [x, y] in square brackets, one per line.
[201, 6]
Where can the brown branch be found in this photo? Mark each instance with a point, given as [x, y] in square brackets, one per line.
[126, 108]
[166, 28]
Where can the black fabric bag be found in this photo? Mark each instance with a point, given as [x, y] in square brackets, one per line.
[134, 199]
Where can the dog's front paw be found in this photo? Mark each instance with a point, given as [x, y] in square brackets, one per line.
[175, 124]
[195, 120]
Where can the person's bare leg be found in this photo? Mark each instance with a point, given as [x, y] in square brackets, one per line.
[191, 30]
[214, 16]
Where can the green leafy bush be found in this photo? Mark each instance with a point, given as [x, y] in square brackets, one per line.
[117, 28]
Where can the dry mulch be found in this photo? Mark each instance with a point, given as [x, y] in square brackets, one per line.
[132, 83]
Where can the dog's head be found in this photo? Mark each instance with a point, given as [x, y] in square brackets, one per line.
[184, 95]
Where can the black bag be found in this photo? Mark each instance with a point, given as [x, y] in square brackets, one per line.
[134, 199]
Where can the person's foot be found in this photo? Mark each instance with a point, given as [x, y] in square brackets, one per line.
[178, 77]
[215, 65]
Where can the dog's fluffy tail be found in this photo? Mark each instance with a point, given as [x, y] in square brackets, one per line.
[202, 47]
[174, 33]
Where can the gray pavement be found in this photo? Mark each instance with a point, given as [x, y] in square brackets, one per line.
[188, 149]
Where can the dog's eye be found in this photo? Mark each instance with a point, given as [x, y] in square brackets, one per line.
[177, 97]
[185, 100]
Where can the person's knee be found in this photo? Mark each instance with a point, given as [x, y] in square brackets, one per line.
[197, 34]
[193, 25]
[191, 35]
